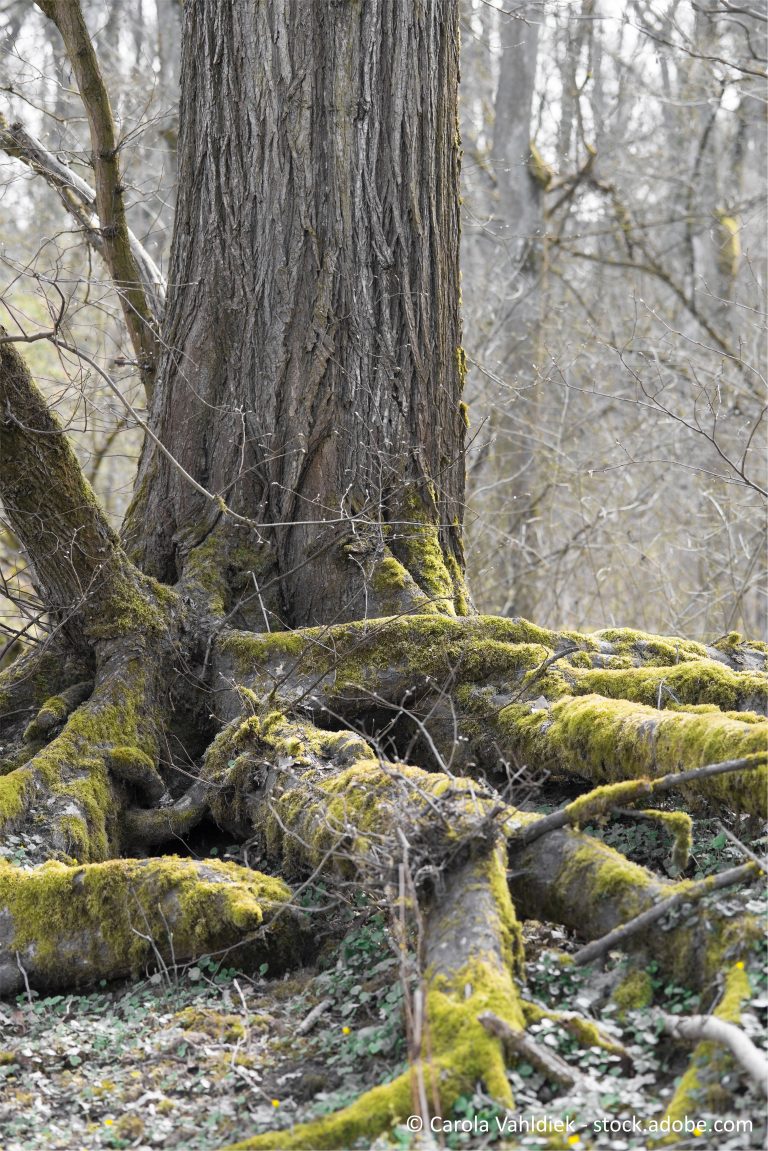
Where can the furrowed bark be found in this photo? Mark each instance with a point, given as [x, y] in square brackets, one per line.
[317, 317]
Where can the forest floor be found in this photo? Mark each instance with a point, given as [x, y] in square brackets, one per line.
[197, 1057]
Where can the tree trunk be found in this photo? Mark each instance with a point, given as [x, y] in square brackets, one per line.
[314, 370]
[506, 472]
[313, 374]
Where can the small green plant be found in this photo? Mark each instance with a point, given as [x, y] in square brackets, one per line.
[368, 995]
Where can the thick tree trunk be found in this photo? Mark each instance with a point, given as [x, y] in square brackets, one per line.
[313, 373]
[314, 370]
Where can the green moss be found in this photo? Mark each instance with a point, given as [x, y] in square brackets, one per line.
[215, 1024]
[15, 790]
[250, 650]
[205, 573]
[541, 172]
[133, 766]
[424, 558]
[461, 601]
[136, 605]
[73, 768]
[53, 712]
[692, 682]
[395, 588]
[680, 825]
[389, 574]
[417, 544]
[700, 1086]
[610, 740]
[461, 366]
[585, 1030]
[634, 992]
[600, 800]
[75, 923]
[593, 871]
[462, 1052]
[482, 647]
[651, 649]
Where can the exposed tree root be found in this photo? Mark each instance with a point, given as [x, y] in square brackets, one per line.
[471, 939]
[89, 764]
[141, 672]
[491, 690]
[570, 878]
[41, 673]
[685, 894]
[74, 788]
[65, 926]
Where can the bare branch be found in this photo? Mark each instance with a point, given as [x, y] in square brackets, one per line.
[708, 1027]
[80, 201]
[110, 203]
[692, 894]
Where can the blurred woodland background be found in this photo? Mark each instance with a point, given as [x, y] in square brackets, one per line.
[615, 254]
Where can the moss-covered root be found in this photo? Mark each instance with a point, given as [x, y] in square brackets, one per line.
[64, 926]
[56, 709]
[73, 790]
[608, 740]
[325, 799]
[25, 684]
[702, 1083]
[573, 879]
[472, 940]
[603, 718]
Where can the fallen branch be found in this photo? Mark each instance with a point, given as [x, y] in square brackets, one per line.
[689, 895]
[642, 788]
[310, 1020]
[734, 839]
[696, 1028]
[525, 1047]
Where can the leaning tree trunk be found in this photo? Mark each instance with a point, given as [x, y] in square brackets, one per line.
[314, 370]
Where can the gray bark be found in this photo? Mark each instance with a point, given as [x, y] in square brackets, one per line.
[312, 376]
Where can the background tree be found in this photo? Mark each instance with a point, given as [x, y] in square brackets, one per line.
[650, 367]
[280, 646]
